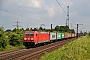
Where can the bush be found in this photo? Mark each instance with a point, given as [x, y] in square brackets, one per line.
[3, 39]
[16, 38]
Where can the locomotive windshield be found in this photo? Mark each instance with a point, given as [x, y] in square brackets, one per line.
[29, 34]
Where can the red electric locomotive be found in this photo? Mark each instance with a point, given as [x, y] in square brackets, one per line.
[34, 38]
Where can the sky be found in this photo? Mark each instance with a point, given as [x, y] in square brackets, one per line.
[33, 13]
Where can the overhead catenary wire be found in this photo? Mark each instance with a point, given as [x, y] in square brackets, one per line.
[26, 9]
[61, 7]
[8, 17]
[72, 21]
[13, 3]
[64, 11]
[17, 24]
[22, 7]
[10, 12]
[17, 5]
[14, 13]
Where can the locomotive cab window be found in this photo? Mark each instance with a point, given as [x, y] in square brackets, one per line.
[26, 34]
[29, 34]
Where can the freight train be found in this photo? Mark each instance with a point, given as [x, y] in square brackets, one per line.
[33, 38]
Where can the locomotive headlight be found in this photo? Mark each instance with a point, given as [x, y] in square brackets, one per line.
[32, 39]
[28, 38]
[25, 38]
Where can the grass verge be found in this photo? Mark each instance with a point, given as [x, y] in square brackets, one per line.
[75, 50]
[9, 48]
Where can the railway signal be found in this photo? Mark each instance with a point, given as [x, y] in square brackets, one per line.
[77, 29]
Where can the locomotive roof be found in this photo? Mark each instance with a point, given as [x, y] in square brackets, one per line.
[34, 31]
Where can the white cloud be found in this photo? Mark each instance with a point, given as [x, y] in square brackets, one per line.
[30, 3]
[35, 16]
[67, 2]
[46, 10]
[74, 13]
[35, 3]
[50, 10]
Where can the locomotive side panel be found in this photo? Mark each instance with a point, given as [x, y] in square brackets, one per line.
[43, 37]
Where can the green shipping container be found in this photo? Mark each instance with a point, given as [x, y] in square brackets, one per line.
[62, 35]
[59, 36]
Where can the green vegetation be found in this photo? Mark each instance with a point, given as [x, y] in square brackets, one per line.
[3, 40]
[56, 29]
[64, 29]
[76, 50]
[11, 40]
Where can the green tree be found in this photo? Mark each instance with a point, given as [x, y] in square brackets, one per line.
[16, 37]
[66, 29]
[72, 30]
[47, 30]
[27, 29]
[62, 29]
[40, 28]
[3, 39]
[14, 30]
[20, 34]
[57, 28]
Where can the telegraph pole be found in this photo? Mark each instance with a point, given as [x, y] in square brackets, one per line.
[17, 24]
[67, 16]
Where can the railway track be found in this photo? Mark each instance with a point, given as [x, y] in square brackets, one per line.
[11, 54]
[33, 53]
